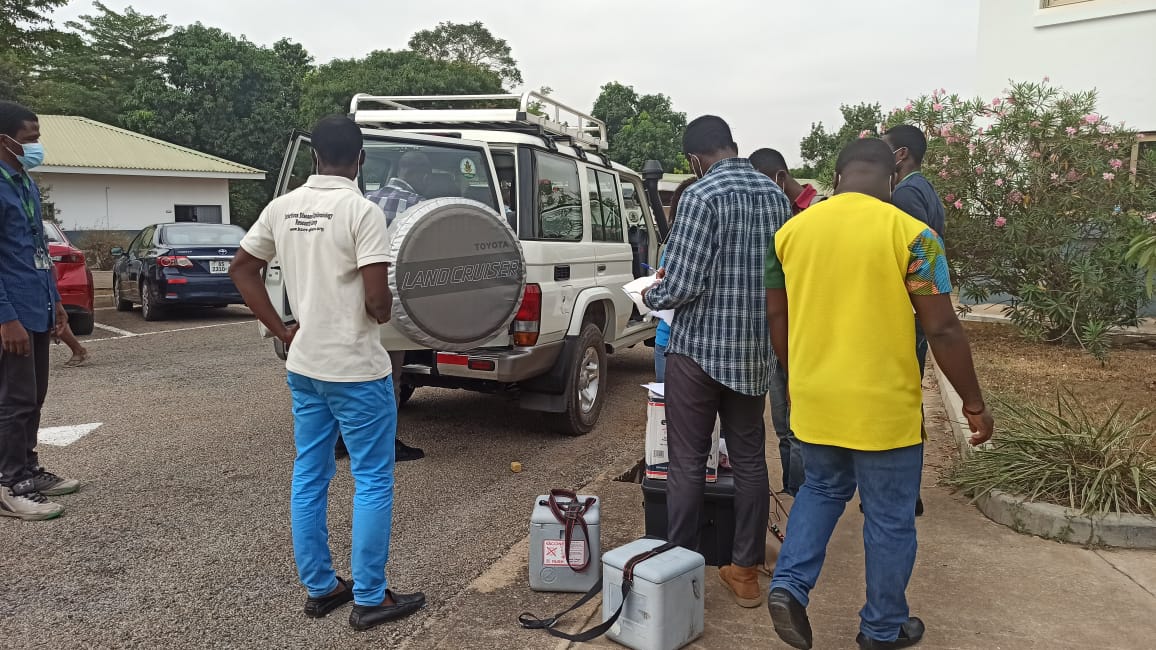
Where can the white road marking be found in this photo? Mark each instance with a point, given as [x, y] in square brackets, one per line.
[115, 330]
[64, 436]
[181, 329]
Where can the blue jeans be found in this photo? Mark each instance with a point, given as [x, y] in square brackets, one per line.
[365, 414]
[888, 483]
[790, 449]
[660, 363]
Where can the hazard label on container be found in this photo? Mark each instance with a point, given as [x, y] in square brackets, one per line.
[554, 553]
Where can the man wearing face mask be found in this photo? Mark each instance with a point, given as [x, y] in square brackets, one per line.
[855, 389]
[718, 361]
[915, 196]
[772, 163]
[30, 313]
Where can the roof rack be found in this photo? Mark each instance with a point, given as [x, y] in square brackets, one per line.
[531, 112]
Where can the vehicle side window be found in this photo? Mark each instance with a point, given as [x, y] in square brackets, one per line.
[638, 228]
[605, 207]
[143, 241]
[559, 199]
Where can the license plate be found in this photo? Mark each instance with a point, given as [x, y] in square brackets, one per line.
[218, 266]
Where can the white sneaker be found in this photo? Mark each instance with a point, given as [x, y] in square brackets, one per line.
[23, 502]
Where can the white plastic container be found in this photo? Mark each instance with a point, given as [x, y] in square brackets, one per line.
[665, 607]
[549, 569]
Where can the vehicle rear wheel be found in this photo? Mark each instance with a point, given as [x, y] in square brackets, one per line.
[586, 386]
[149, 308]
[81, 323]
[121, 304]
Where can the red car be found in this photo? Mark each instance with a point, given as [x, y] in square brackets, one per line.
[73, 279]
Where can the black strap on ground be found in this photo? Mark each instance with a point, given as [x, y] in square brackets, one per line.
[531, 622]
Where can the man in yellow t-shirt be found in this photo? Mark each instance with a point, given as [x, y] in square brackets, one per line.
[851, 269]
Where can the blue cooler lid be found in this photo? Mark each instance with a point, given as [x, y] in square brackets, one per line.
[658, 569]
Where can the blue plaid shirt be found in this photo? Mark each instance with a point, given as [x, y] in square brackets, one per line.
[715, 260]
[395, 198]
[27, 293]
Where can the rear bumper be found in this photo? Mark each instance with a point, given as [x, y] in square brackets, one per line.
[505, 366]
[198, 290]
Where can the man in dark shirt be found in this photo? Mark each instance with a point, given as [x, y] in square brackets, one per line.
[30, 313]
[915, 196]
[772, 163]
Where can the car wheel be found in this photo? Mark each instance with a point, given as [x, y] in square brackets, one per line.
[81, 323]
[149, 308]
[405, 393]
[586, 386]
[121, 303]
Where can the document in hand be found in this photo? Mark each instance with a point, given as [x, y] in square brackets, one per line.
[634, 289]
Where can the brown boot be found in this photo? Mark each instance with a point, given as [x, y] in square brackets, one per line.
[744, 584]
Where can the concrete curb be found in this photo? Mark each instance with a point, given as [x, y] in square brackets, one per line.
[1045, 519]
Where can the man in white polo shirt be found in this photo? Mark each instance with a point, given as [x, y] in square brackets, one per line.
[335, 257]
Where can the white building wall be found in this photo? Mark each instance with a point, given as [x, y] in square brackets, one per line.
[1109, 45]
[108, 202]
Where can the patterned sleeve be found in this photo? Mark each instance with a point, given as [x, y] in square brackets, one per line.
[774, 277]
[691, 247]
[927, 271]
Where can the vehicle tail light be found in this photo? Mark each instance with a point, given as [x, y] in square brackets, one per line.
[177, 261]
[69, 258]
[529, 318]
[177, 281]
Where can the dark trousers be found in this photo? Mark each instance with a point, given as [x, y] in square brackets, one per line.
[23, 386]
[693, 399]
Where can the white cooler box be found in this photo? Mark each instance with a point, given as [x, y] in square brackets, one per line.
[665, 607]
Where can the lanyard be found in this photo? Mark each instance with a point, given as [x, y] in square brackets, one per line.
[25, 197]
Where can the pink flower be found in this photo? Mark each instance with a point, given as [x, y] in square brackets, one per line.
[943, 173]
[999, 182]
[996, 102]
[864, 134]
[1109, 176]
[1000, 222]
[945, 131]
[958, 205]
[1073, 175]
[949, 198]
[937, 107]
[942, 91]
[951, 139]
[980, 131]
[1116, 163]
[979, 169]
[1071, 131]
[1047, 78]
[1092, 118]
[1055, 176]
[946, 159]
[1016, 197]
[909, 107]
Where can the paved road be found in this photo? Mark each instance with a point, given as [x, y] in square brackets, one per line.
[180, 537]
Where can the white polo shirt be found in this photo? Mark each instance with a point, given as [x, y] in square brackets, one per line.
[323, 233]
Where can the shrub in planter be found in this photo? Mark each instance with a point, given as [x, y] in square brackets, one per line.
[1042, 207]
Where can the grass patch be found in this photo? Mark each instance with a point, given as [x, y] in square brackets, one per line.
[1067, 455]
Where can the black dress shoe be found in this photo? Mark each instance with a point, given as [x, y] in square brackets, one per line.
[910, 633]
[364, 617]
[320, 607]
[790, 619]
[403, 452]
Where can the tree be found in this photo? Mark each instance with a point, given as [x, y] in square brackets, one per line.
[96, 66]
[329, 88]
[227, 97]
[641, 127]
[471, 44]
[1041, 207]
[26, 33]
[820, 148]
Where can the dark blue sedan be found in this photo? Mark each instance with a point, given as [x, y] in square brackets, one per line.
[176, 264]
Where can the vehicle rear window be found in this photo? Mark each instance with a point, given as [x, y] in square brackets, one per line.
[53, 234]
[202, 235]
[428, 172]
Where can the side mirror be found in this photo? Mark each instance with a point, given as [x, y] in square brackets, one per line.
[117, 251]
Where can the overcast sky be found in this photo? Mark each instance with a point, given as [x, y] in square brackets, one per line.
[769, 68]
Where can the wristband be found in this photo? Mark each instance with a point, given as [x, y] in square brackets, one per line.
[979, 412]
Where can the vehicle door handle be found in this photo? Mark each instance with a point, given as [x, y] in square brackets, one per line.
[601, 268]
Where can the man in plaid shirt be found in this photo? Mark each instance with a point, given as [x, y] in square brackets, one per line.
[718, 358]
[402, 192]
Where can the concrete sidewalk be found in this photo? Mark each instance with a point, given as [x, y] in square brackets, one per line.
[994, 313]
[977, 585]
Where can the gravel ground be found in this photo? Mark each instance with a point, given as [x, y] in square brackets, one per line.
[180, 536]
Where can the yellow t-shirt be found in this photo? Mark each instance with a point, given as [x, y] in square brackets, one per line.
[848, 265]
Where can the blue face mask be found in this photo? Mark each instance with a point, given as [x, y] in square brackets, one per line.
[33, 156]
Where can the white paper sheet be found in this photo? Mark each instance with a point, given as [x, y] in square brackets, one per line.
[656, 389]
[634, 289]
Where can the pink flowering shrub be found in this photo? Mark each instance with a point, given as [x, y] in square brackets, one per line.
[1044, 206]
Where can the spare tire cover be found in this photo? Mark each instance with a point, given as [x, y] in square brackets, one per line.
[458, 276]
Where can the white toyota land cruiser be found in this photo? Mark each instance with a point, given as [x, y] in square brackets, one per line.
[510, 266]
